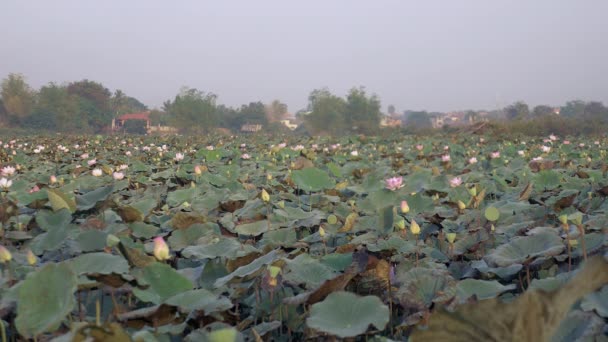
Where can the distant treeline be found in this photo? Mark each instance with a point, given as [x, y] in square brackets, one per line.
[88, 107]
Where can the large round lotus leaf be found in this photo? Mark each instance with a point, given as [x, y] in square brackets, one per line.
[546, 179]
[307, 270]
[253, 228]
[91, 240]
[523, 248]
[200, 299]
[99, 263]
[50, 241]
[45, 298]
[59, 200]
[420, 287]
[280, 237]
[182, 238]
[345, 314]
[552, 283]
[163, 282]
[597, 301]
[312, 179]
[90, 199]
[593, 242]
[48, 220]
[482, 289]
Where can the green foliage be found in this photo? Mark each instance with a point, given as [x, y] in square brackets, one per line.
[17, 98]
[419, 120]
[517, 111]
[193, 111]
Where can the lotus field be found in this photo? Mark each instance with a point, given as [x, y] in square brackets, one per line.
[291, 238]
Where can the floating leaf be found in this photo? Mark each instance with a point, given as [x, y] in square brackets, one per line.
[163, 283]
[492, 214]
[312, 179]
[345, 314]
[45, 298]
[523, 248]
[59, 200]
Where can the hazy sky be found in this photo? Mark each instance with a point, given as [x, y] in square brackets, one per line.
[424, 54]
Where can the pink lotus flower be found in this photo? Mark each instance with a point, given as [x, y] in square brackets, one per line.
[84, 156]
[92, 162]
[53, 179]
[34, 189]
[521, 153]
[209, 148]
[128, 153]
[246, 156]
[197, 170]
[537, 158]
[282, 145]
[495, 155]
[97, 172]
[419, 147]
[581, 145]
[354, 153]
[472, 160]
[5, 183]
[552, 137]
[597, 142]
[118, 175]
[445, 158]
[8, 171]
[545, 149]
[394, 183]
[456, 181]
[566, 142]
[179, 156]
[446, 147]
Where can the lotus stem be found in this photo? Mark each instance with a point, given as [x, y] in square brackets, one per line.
[97, 312]
[3, 331]
[569, 249]
[582, 231]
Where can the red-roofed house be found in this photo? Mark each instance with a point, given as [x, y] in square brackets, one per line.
[119, 122]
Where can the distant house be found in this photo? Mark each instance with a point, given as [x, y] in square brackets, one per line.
[250, 128]
[118, 123]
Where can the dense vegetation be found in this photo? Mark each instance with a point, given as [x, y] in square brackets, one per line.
[286, 238]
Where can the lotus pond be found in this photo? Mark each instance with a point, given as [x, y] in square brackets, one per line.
[285, 238]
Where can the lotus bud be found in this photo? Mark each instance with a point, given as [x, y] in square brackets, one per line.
[573, 243]
[269, 176]
[281, 204]
[274, 271]
[161, 250]
[197, 170]
[451, 237]
[473, 191]
[265, 196]
[577, 218]
[405, 208]
[112, 240]
[492, 228]
[192, 185]
[400, 224]
[461, 205]
[53, 179]
[415, 228]
[31, 258]
[321, 232]
[5, 255]
[563, 219]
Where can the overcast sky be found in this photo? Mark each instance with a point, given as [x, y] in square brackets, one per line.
[423, 54]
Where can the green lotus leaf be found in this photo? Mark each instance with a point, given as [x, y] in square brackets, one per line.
[597, 301]
[45, 298]
[252, 229]
[345, 314]
[249, 269]
[163, 282]
[59, 200]
[91, 198]
[521, 249]
[99, 263]
[201, 299]
[312, 179]
[482, 289]
[307, 270]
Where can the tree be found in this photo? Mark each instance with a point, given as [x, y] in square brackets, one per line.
[17, 97]
[193, 110]
[122, 104]
[362, 111]
[94, 102]
[326, 113]
[542, 110]
[56, 109]
[517, 111]
[419, 119]
[253, 113]
[391, 110]
[471, 116]
[573, 108]
[276, 111]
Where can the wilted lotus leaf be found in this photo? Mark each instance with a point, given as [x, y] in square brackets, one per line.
[349, 222]
[470, 242]
[183, 220]
[481, 289]
[345, 314]
[157, 314]
[534, 316]
[312, 179]
[375, 280]
[109, 332]
[129, 214]
[421, 287]
[302, 163]
[135, 257]
[521, 249]
[44, 299]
